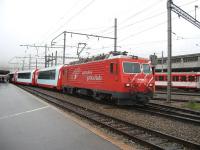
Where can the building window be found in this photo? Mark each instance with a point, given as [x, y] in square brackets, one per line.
[159, 61]
[176, 60]
[190, 59]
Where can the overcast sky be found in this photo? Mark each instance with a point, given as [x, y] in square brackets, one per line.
[142, 26]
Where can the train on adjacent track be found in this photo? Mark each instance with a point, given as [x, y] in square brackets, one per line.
[180, 80]
[122, 79]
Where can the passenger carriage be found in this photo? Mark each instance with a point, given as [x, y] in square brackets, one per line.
[24, 77]
[182, 80]
[49, 77]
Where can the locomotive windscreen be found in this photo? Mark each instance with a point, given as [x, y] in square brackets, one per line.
[130, 67]
[26, 75]
[47, 75]
[146, 68]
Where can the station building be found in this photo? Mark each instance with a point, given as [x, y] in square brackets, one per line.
[181, 63]
[4, 75]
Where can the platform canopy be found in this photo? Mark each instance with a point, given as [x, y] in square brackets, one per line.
[4, 72]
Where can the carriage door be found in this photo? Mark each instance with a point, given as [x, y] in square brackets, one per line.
[198, 82]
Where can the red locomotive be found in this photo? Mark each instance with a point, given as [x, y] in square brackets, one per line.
[126, 80]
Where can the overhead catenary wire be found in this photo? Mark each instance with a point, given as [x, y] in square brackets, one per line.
[188, 3]
[142, 11]
[71, 18]
[61, 18]
[109, 28]
[144, 19]
[132, 16]
[147, 29]
[126, 26]
[137, 22]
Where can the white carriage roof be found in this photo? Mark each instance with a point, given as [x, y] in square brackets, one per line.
[178, 73]
[26, 71]
[51, 68]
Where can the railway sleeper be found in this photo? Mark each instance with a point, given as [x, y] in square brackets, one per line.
[171, 146]
[156, 140]
[135, 132]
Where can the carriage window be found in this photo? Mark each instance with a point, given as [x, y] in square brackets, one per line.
[50, 75]
[130, 67]
[161, 78]
[183, 78]
[24, 75]
[175, 78]
[146, 68]
[191, 78]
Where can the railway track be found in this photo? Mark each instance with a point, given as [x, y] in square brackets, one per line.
[179, 93]
[184, 115]
[178, 96]
[150, 138]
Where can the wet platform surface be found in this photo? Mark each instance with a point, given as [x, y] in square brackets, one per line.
[28, 124]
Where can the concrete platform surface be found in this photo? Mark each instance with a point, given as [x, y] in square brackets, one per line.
[28, 124]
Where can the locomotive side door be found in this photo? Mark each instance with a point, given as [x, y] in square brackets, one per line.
[113, 70]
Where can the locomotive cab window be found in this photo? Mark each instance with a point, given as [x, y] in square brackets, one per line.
[130, 67]
[146, 68]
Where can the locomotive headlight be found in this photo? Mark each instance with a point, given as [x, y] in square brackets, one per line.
[127, 85]
[150, 84]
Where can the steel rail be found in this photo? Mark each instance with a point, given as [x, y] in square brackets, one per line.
[186, 116]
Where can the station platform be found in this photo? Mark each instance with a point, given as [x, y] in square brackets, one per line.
[26, 123]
